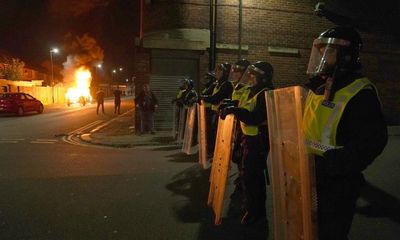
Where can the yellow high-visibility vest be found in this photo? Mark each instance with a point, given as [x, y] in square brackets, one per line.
[241, 94]
[215, 107]
[250, 104]
[321, 118]
[179, 95]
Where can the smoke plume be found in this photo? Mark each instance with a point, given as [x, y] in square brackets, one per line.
[83, 51]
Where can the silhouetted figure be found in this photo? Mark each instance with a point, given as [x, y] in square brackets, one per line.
[117, 101]
[100, 100]
[147, 104]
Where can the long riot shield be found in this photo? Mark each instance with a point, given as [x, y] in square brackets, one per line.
[181, 124]
[220, 164]
[292, 170]
[187, 146]
[202, 134]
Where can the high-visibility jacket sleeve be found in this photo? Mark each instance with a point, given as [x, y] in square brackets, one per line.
[225, 92]
[362, 132]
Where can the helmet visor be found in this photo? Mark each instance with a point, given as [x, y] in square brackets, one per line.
[324, 53]
[236, 73]
[250, 75]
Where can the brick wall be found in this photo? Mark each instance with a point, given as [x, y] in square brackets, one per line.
[278, 23]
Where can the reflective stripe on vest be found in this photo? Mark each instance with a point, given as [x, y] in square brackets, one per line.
[206, 104]
[250, 104]
[321, 118]
[215, 107]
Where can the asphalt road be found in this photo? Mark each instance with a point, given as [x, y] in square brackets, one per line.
[51, 189]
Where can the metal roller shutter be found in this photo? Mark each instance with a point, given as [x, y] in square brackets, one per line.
[165, 88]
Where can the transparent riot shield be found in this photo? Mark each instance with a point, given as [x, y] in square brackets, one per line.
[202, 134]
[181, 124]
[220, 165]
[291, 169]
[187, 145]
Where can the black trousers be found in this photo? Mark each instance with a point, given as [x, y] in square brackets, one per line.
[253, 174]
[337, 198]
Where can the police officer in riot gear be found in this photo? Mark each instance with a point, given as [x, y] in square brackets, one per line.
[221, 91]
[179, 104]
[209, 82]
[189, 99]
[240, 93]
[190, 95]
[343, 126]
[252, 116]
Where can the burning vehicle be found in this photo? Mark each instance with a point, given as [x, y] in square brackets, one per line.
[79, 93]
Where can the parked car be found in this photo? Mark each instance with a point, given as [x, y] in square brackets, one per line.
[19, 103]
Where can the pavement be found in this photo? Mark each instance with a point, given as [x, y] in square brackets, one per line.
[120, 132]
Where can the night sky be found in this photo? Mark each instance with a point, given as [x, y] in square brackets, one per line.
[29, 28]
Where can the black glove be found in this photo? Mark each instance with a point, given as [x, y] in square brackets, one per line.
[222, 106]
[228, 103]
[226, 111]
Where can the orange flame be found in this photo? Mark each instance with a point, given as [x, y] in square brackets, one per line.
[83, 77]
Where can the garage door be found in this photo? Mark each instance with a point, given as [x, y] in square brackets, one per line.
[168, 68]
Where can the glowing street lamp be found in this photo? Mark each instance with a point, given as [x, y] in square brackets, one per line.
[98, 66]
[53, 50]
[113, 73]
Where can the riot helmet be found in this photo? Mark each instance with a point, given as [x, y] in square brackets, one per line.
[188, 83]
[336, 49]
[237, 70]
[259, 75]
[209, 78]
[222, 71]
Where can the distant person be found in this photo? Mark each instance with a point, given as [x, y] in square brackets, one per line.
[117, 100]
[100, 100]
[147, 104]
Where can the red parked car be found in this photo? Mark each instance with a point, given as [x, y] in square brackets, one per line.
[19, 103]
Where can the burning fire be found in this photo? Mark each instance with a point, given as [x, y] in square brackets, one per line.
[81, 89]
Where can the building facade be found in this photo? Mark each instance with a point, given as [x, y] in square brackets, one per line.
[176, 41]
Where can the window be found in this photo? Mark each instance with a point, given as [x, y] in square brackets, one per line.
[29, 97]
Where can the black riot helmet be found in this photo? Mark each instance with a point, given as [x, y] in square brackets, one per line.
[208, 79]
[186, 84]
[259, 75]
[237, 70]
[336, 49]
[189, 83]
[222, 71]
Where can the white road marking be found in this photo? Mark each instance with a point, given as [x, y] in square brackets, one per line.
[42, 142]
[85, 127]
[7, 141]
[46, 140]
[12, 139]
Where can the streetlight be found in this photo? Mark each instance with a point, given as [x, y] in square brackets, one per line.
[54, 50]
[98, 66]
[113, 73]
